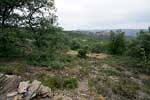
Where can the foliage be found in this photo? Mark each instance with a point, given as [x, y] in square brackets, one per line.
[28, 13]
[48, 47]
[111, 72]
[75, 45]
[28, 28]
[13, 43]
[140, 48]
[82, 53]
[116, 45]
[56, 65]
[58, 82]
[97, 48]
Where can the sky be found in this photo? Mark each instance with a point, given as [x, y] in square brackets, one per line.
[103, 14]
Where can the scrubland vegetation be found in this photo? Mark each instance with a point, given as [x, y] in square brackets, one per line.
[34, 47]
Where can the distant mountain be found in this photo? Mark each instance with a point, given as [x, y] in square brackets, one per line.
[128, 32]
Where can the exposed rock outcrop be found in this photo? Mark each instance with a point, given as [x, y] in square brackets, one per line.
[29, 91]
[8, 85]
[13, 88]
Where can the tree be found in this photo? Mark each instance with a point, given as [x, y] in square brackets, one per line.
[117, 43]
[30, 13]
[27, 24]
[139, 48]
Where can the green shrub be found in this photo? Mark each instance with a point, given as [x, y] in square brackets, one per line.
[82, 53]
[116, 45]
[75, 45]
[140, 48]
[56, 64]
[39, 58]
[111, 72]
[58, 82]
[11, 43]
[70, 83]
[97, 48]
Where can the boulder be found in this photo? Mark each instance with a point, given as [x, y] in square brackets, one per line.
[23, 86]
[45, 91]
[12, 94]
[33, 89]
[8, 86]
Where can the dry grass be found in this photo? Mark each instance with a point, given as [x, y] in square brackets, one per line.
[90, 55]
[98, 56]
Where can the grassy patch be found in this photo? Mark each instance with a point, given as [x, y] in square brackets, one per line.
[147, 86]
[126, 88]
[56, 65]
[58, 82]
[17, 69]
[111, 72]
[100, 85]
[120, 60]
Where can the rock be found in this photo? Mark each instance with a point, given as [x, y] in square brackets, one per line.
[44, 91]
[12, 94]
[8, 83]
[23, 86]
[33, 89]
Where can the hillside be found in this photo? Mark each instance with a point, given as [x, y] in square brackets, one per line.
[40, 60]
[100, 76]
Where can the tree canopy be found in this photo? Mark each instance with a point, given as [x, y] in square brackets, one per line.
[27, 13]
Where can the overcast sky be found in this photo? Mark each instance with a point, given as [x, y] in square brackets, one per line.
[103, 14]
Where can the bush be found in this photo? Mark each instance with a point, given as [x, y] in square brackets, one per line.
[111, 72]
[75, 45]
[140, 48]
[58, 82]
[56, 64]
[97, 48]
[134, 49]
[12, 43]
[82, 53]
[70, 83]
[116, 45]
[39, 58]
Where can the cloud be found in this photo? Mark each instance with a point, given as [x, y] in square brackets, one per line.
[92, 14]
